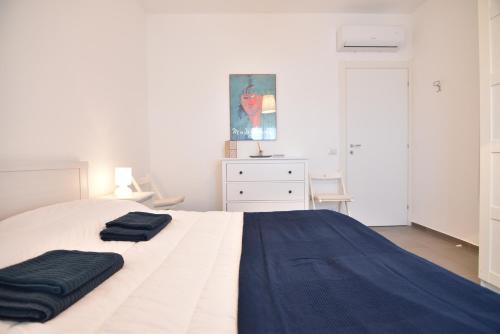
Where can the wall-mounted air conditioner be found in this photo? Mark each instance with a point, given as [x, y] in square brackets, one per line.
[369, 38]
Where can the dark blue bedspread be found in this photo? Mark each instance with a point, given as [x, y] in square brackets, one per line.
[316, 272]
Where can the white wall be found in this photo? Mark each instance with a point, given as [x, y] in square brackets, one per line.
[190, 58]
[445, 126]
[73, 84]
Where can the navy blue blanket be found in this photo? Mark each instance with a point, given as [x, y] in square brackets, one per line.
[315, 272]
[41, 288]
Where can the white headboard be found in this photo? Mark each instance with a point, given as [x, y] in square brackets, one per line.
[27, 186]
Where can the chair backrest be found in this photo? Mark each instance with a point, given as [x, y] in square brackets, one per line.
[140, 184]
[335, 176]
[328, 177]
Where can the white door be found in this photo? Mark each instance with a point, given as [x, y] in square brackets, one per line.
[377, 144]
[489, 204]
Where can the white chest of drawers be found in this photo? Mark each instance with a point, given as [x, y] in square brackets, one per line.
[252, 185]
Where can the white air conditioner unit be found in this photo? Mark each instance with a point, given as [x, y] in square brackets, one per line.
[369, 38]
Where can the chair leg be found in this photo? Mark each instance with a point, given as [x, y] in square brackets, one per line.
[347, 209]
[339, 207]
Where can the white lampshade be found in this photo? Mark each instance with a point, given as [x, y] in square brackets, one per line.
[268, 104]
[123, 176]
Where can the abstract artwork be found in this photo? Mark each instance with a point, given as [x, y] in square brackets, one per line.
[252, 106]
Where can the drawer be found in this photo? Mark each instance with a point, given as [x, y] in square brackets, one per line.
[265, 191]
[264, 206]
[265, 172]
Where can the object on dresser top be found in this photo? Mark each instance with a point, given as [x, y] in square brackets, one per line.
[260, 153]
[135, 226]
[42, 287]
[231, 149]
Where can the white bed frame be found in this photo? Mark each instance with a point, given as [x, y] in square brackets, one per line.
[27, 186]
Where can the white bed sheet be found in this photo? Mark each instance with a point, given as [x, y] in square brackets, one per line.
[184, 280]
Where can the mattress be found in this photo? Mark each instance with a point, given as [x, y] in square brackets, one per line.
[185, 280]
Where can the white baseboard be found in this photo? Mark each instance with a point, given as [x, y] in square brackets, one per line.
[490, 286]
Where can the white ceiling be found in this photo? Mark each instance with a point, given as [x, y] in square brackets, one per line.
[281, 6]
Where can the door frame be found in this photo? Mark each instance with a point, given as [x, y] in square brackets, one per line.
[380, 65]
[488, 213]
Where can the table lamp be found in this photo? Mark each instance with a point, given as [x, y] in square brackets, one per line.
[123, 179]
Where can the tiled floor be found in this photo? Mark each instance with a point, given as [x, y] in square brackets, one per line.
[435, 248]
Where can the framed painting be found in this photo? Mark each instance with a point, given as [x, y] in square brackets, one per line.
[252, 106]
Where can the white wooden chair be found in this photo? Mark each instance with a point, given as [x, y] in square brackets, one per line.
[159, 201]
[340, 197]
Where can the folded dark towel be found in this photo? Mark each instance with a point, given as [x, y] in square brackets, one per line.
[57, 272]
[140, 220]
[129, 234]
[50, 283]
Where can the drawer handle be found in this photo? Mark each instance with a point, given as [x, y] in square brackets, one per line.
[289, 191]
[241, 172]
[289, 172]
[241, 192]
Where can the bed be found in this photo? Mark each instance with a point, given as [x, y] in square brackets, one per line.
[183, 281]
[186, 279]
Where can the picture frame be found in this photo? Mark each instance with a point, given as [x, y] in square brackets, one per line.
[253, 107]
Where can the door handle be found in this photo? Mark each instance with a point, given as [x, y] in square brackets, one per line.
[355, 145]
